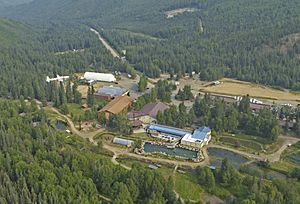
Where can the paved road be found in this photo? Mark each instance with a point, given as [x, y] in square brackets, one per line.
[105, 43]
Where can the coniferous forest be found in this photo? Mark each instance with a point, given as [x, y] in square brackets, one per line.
[251, 40]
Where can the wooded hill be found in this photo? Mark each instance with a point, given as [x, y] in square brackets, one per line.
[7, 3]
[28, 55]
[237, 39]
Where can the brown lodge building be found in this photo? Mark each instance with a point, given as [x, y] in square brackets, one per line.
[116, 106]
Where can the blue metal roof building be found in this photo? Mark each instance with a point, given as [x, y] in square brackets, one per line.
[168, 130]
[201, 133]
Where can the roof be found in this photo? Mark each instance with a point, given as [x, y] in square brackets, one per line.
[117, 105]
[121, 141]
[168, 130]
[137, 123]
[99, 76]
[152, 167]
[135, 114]
[111, 91]
[201, 133]
[152, 109]
[198, 136]
[255, 106]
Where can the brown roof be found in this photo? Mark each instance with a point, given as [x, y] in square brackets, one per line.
[135, 114]
[117, 105]
[152, 109]
[256, 106]
[137, 123]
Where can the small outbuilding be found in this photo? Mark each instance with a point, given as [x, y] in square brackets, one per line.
[120, 141]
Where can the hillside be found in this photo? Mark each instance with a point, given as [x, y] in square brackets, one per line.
[11, 32]
[135, 15]
[219, 38]
[7, 3]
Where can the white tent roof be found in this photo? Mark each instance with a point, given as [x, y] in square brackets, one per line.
[99, 76]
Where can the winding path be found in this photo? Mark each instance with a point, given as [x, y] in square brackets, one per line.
[87, 135]
[270, 157]
[116, 151]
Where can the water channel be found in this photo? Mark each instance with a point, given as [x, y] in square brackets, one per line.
[234, 158]
[185, 153]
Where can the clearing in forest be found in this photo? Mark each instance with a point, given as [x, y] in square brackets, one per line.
[173, 13]
[240, 88]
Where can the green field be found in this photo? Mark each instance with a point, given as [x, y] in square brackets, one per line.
[75, 110]
[186, 188]
[244, 143]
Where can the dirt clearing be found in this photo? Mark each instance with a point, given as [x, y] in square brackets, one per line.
[173, 13]
[240, 88]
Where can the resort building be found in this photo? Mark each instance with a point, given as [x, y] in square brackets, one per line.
[117, 106]
[110, 92]
[199, 138]
[162, 129]
[148, 113]
[166, 133]
[196, 139]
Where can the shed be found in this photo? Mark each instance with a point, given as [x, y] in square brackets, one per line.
[152, 167]
[99, 76]
[121, 141]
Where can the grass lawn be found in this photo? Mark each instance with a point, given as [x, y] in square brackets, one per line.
[104, 136]
[243, 142]
[282, 166]
[273, 147]
[253, 138]
[75, 110]
[255, 143]
[187, 189]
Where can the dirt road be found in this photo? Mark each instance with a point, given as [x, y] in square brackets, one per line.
[106, 44]
[90, 135]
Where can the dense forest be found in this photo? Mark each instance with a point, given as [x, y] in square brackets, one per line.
[8, 3]
[41, 53]
[247, 189]
[41, 165]
[257, 41]
[221, 117]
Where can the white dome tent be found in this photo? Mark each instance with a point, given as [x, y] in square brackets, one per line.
[99, 77]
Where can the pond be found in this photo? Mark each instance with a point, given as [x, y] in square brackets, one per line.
[60, 125]
[154, 148]
[234, 158]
